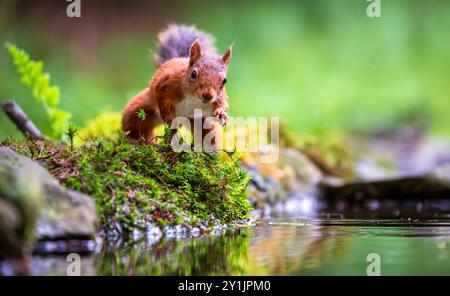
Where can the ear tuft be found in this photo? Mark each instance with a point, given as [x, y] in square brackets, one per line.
[227, 56]
[195, 52]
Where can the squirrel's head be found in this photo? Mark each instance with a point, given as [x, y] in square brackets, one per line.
[207, 74]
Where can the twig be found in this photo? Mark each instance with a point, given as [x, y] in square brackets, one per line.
[20, 119]
[45, 157]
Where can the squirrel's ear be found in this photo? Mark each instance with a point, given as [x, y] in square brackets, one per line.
[195, 52]
[227, 56]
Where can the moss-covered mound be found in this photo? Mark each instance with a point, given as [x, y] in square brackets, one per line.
[137, 184]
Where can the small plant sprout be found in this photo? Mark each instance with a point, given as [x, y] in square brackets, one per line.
[71, 132]
[141, 114]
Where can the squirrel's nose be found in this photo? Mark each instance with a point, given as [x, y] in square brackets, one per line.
[207, 96]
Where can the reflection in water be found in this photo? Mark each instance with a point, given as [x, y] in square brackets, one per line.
[280, 247]
[214, 255]
[282, 250]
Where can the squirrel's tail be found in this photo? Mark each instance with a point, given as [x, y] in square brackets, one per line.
[176, 40]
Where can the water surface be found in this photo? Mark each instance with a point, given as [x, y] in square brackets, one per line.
[285, 246]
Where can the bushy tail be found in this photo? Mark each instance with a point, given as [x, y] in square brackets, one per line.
[176, 40]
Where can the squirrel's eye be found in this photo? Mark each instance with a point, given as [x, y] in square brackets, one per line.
[224, 81]
[194, 74]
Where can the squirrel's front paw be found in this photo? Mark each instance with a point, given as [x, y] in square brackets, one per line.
[221, 115]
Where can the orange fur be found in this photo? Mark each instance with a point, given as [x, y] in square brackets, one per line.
[171, 84]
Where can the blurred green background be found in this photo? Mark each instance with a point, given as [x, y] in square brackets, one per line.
[322, 66]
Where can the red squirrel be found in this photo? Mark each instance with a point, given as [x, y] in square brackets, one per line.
[190, 75]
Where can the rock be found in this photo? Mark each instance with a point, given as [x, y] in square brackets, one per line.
[65, 214]
[284, 186]
[400, 153]
[399, 167]
[20, 201]
[424, 196]
[257, 179]
[300, 204]
[301, 174]
[370, 169]
[435, 185]
[442, 173]
[263, 189]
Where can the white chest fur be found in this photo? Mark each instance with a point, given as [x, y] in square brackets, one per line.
[187, 106]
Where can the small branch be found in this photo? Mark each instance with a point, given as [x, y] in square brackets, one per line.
[20, 119]
[45, 157]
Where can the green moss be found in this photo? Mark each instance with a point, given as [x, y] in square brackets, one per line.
[134, 184]
[105, 125]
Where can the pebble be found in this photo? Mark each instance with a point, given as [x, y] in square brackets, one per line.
[195, 232]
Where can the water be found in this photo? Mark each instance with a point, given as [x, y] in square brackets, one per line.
[284, 246]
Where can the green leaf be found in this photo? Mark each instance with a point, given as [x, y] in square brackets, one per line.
[33, 76]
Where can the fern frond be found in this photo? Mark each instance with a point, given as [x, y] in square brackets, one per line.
[33, 76]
